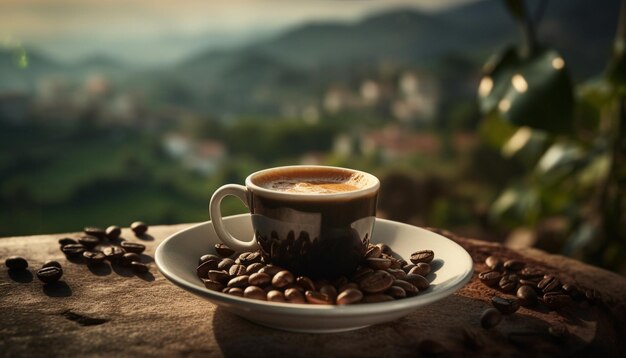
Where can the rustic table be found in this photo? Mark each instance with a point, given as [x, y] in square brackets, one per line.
[110, 311]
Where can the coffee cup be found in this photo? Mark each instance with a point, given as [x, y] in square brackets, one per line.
[312, 220]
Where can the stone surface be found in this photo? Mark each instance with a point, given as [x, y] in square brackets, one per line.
[110, 311]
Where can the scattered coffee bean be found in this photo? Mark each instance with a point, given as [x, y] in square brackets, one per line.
[373, 252]
[396, 292]
[556, 300]
[530, 273]
[113, 253]
[396, 264]
[330, 291]
[49, 274]
[128, 258]
[51, 263]
[406, 268]
[16, 263]
[504, 305]
[377, 282]
[348, 286]
[275, 296]
[73, 250]
[490, 278]
[418, 281]
[282, 279]
[113, 232]
[235, 291]
[207, 257]
[549, 284]
[490, 318]
[203, 270]
[574, 291]
[378, 263]
[376, 298]
[213, 285]
[494, 263]
[254, 268]
[422, 256]
[223, 250]
[361, 273]
[219, 276]
[139, 228]
[259, 279]
[317, 298]
[514, 265]
[248, 258]
[422, 269]
[271, 270]
[139, 267]
[93, 257]
[239, 281]
[408, 288]
[508, 283]
[294, 296]
[95, 231]
[133, 247]
[529, 282]
[397, 273]
[89, 241]
[67, 241]
[526, 295]
[225, 264]
[237, 270]
[349, 296]
[306, 283]
[255, 293]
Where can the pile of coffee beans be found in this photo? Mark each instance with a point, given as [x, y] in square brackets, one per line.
[380, 278]
[522, 285]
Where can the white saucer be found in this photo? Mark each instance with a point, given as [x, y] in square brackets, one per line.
[177, 258]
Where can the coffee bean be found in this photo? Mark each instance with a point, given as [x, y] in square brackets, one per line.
[306, 283]
[203, 270]
[128, 258]
[418, 281]
[218, 275]
[207, 257]
[212, 284]
[422, 269]
[248, 258]
[224, 250]
[89, 241]
[133, 247]
[490, 278]
[139, 228]
[95, 231]
[255, 293]
[396, 292]
[225, 264]
[529, 282]
[73, 250]
[573, 291]
[361, 273]
[385, 249]
[409, 288]
[330, 291]
[139, 267]
[113, 253]
[348, 286]
[49, 274]
[317, 298]
[514, 265]
[349, 296]
[504, 305]
[51, 263]
[259, 279]
[338, 282]
[422, 256]
[490, 318]
[254, 268]
[271, 270]
[396, 264]
[237, 270]
[376, 298]
[235, 291]
[397, 273]
[294, 296]
[113, 232]
[239, 281]
[406, 268]
[373, 252]
[549, 284]
[377, 282]
[378, 263]
[494, 263]
[526, 295]
[16, 263]
[93, 257]
[556, 300]
[67, 241]
[282, 279]
[530, 273]
[275, 296]
[508, 283]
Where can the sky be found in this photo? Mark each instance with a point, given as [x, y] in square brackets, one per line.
[158, 31]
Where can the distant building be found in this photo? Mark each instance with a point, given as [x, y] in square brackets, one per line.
[202, 156]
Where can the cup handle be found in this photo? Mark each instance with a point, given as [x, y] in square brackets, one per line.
[227, 238]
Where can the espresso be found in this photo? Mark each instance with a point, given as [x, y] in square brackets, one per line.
[311, 181]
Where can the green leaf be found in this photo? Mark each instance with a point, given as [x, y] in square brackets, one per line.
[534, 91]
[515, 205]
[616, 70]
[526, 144]
[560, 160]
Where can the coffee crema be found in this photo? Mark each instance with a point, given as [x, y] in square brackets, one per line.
[317, 181]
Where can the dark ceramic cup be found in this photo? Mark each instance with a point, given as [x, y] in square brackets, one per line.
[312, 220]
